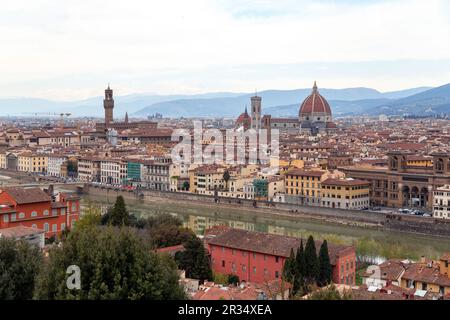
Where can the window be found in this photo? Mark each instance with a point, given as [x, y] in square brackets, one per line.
[223, 263]
[45, 212]
[21, 215]
[46, 227]
[34, 226]
[5, 218]
[54, 227]
[265, 257]
[74, 207]
[232, 252]
[254, 255]
[424, 286]
[244, 268]
[54, 212]
[63, 211]
[254, 270]
[34, 214]
[13, 217]
[63, 226]
[276, 274]
[276, 259]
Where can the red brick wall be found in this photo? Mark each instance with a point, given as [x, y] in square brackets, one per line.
[249, 266]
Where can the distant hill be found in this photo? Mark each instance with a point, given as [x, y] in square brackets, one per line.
[228, 104]
[432, 101]
[276, 102]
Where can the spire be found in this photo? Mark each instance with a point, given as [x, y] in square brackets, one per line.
[108, 86]
[245, 109]
[126, 117]
[315, 87]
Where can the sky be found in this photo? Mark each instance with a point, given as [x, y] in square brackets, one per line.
[71, 50]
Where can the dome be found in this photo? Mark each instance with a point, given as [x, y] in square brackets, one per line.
[315, 104]
[244, 119]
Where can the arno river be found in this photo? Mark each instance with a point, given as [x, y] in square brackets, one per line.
[369, 242]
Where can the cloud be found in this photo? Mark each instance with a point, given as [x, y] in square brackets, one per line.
[51, 39]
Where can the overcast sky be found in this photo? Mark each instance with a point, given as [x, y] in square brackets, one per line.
[68, 50]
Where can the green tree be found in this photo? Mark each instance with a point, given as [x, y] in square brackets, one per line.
[300, 267]
[226, 177]
[311, 261]
[233, 279]
[91, 217]
[19, 266]
[115, 264]
[185, 186]
[195, 261]
[289, 268]
[325, 270]
[118, 215]
[165, 231]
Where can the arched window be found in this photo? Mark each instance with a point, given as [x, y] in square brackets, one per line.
[34, 213]
[34, 226]
[21, 215]
[46, 227]
[46, 212]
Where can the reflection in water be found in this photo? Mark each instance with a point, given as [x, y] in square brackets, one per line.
[368, 241]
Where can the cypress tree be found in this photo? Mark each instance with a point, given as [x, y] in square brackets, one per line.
[289, 268]
[311, 261]
[325, 270]
[300, 267]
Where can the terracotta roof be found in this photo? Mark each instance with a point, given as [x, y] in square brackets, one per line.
[31, 195]
[314, 103]
[345, 182]
[424, 273]
[306, 173]
[19, 231]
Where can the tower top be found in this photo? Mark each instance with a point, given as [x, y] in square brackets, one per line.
[315, 86]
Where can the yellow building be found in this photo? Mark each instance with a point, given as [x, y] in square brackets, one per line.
[32, 162]
[303, 186]
[345, 194]
[419, 161]
[429, 276]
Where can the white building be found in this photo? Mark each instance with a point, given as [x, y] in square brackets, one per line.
[441, 202]
[113, 171]
[54, 164]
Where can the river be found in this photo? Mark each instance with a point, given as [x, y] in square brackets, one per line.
[369, 242]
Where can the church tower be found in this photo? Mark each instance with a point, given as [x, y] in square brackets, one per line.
[108, 105]
[256, 112]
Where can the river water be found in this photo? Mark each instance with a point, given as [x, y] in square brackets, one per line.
[369, 242]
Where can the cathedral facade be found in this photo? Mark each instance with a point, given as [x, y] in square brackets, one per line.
[314, 117]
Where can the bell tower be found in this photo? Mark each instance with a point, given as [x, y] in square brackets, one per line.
[108, 105]
[256, 112]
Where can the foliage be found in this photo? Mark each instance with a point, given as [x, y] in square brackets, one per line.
[289, 268]
[195, 261]
[233, 279]
[325, 270]
[311, 261]
[220, 278]
[329, 293]
[185, 186]
[91, 217]
[19, 265]
[117, 215]
[300, 265]
[114, 264]
[165, 231]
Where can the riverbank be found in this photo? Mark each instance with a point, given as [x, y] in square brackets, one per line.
[361, 219]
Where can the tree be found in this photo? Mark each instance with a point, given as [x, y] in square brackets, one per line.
[19, 266]
[91, 217]
[165, 231]
[233, 279]
[226, 178]
[300, 267]
[115, 264]
[185, 186]
[289, 268]
[118, 215]
[311, 262]
[325, 270]
[195, 261]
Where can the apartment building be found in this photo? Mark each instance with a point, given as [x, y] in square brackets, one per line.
[113, 171]
[32, 162]
[441, 202]
[345, 194]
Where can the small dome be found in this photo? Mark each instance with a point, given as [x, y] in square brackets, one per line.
[314, 103]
